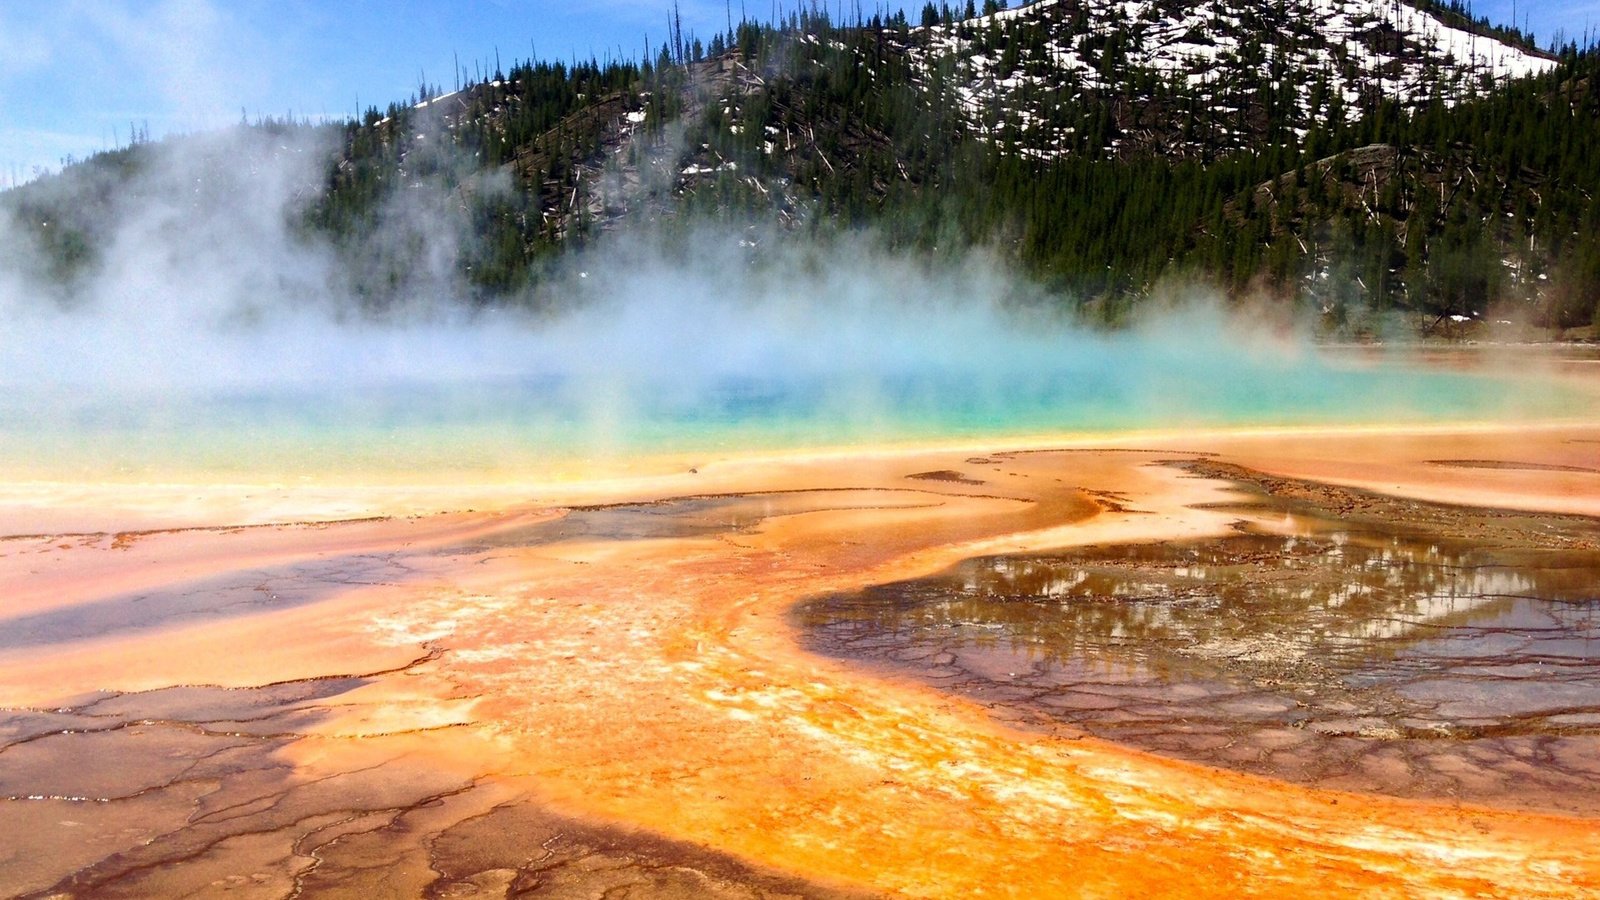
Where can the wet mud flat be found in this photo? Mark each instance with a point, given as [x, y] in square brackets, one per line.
[1338, 638]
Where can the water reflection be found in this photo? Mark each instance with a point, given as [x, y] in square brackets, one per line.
[1306, 648]
[688, 517]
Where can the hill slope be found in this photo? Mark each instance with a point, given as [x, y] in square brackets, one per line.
[1353, 155]
[1203, 78]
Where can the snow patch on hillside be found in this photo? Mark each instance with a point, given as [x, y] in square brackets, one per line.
[1017, 67]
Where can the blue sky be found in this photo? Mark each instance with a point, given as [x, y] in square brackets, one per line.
[75, 75]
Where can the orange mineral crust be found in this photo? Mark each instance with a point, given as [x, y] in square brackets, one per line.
[572, 699]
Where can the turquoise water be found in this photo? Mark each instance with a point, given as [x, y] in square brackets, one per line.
[236, 352]
[522, 425]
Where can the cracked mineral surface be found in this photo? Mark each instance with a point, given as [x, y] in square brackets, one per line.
[1376, 652]
[1229, 664]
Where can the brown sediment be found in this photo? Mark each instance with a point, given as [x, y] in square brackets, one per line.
[616, 699]
[1509, 464]
[946, 475]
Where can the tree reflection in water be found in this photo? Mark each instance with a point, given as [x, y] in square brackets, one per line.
[1364, 657]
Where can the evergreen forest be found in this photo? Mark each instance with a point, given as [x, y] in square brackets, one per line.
[1460, 199]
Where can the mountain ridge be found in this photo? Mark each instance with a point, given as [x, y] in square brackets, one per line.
[1344, 50]
[1104, 147]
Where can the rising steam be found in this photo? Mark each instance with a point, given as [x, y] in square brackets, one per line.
[210, 311]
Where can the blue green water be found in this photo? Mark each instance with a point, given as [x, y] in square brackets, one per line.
[525, 425]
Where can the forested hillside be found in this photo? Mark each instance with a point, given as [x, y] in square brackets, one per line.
[1363, 161]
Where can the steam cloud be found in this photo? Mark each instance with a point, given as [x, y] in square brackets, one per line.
[205, 284]
[205, 290]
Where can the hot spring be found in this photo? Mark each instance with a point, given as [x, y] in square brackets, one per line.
[575, 414]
